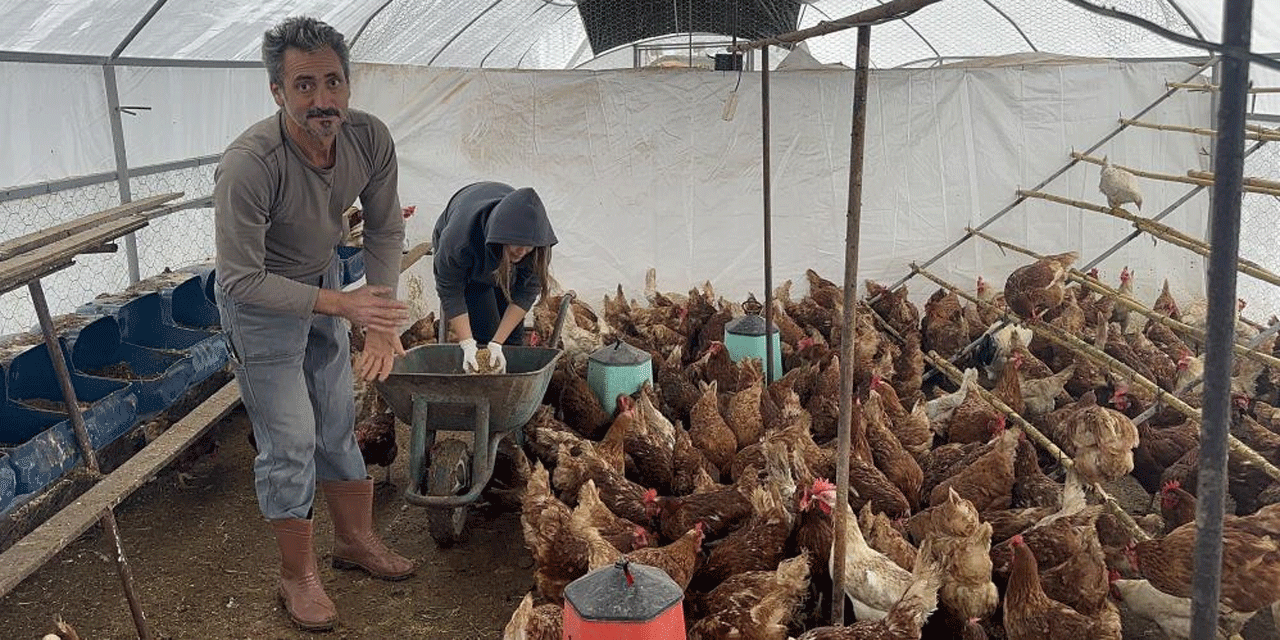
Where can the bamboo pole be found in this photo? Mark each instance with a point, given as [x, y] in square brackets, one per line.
[1164, 232]
[1190, 178]
[1196, 86]
[1045, 443]
[1249, 182]
[1057, 336]
[891, 10]
[1251, 135]
[1085, 280]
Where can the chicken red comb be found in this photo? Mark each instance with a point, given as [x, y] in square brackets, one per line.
[625, 402]
[1170, 486]
[1017, 540]
[651, 496]
[822, 484]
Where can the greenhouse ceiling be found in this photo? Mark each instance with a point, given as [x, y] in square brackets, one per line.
[565, 34]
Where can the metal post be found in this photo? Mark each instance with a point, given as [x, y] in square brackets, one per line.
[853, 232]
[1224, 240]
[767, 187]
[108, 520]
[122, 165]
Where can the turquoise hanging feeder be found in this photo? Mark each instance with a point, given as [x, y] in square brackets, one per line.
[744, 337]
[617, 369]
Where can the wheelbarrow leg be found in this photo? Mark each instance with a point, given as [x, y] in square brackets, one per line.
[421, 441]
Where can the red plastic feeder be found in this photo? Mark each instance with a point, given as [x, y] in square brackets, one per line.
[626, 601]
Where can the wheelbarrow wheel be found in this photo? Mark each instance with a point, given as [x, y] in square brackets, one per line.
[448, 475]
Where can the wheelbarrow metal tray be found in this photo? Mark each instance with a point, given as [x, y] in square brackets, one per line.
[436, 370]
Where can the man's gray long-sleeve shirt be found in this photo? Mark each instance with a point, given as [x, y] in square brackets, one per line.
[278, 219]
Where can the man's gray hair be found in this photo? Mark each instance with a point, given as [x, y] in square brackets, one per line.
[307, 34]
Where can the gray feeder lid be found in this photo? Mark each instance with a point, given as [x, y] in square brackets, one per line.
[748, 325]
[620, 354]
[604, 593]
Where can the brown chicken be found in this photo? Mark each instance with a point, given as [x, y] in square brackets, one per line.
[610, 449]
[743, 415]
[577, 464]
[1160, 448]
[677, 391]
[651, 443]
[1177, 506]
[912, 429]
[543, 622]
[687, 463]
[889, 455]
[883, 537]
[756, 546]
[1250, 561]
[720, 511]
[908, 369]
[974, 419]
[1165, 303]
[1031, 487]
[622, 533]
[1029, 614]
[943, 325]
[709, 431]
[962, 544]
[1100, 440]
[988, 482]
[894, 307]
[1034, 289]
[423, 331]
[1081, 582]
[754, 604]
[576, 404]
[559, 556]
[376, 433]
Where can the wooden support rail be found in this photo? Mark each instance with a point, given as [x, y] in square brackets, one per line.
[1249, 182]
[1125, 301]
[1055, 335]
[1190, 178]
[1164, 232]
[1251, 133]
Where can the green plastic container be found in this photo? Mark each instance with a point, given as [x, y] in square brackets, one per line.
[744, 337]
[615, 369]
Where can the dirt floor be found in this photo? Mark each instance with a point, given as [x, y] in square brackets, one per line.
[205, 565]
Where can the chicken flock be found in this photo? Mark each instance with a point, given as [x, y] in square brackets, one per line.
[958, 526]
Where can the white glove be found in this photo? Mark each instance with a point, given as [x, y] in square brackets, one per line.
[496, 359]
[469, 363]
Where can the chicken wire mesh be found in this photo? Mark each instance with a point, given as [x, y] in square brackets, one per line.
[172, 241]
[1259, 214]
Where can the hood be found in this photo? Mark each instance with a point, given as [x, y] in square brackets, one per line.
[519, 219]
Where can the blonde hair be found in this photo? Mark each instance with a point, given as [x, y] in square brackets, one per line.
[539, 261]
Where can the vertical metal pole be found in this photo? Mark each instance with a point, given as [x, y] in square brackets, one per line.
[108, 519]
[1224, 240]
[122, 164]
[767, 187]
[853, 232]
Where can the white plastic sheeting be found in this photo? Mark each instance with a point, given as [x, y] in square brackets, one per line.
[640, 169]
[54, 122]
[550, 33]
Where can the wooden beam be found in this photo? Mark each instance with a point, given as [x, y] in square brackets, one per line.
[31, 552]
[415, 254]
[1164, 232]
[1204, 86]
[13, 247]
[1251, 134]
[17, 271]
[1190, 178]
[1253, 182]
[892, 10]
[1084, 280]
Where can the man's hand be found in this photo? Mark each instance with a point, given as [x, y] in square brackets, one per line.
[380, 351]
[369, 306]
[469, 363]
[496, 359]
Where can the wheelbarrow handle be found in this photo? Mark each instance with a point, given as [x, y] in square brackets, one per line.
[565, 301]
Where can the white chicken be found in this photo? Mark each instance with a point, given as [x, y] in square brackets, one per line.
[873, 582]
[1119, 186]
[939, 409]
[1171, 613]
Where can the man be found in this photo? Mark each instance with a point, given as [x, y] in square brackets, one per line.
[280, 191]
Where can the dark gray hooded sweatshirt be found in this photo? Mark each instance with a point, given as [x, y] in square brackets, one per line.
[468, 239]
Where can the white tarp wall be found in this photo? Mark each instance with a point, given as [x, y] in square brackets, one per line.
[639, 168]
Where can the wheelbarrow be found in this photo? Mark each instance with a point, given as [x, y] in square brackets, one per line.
[428, 390]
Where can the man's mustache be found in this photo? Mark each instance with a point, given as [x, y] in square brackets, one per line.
[323, 113]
